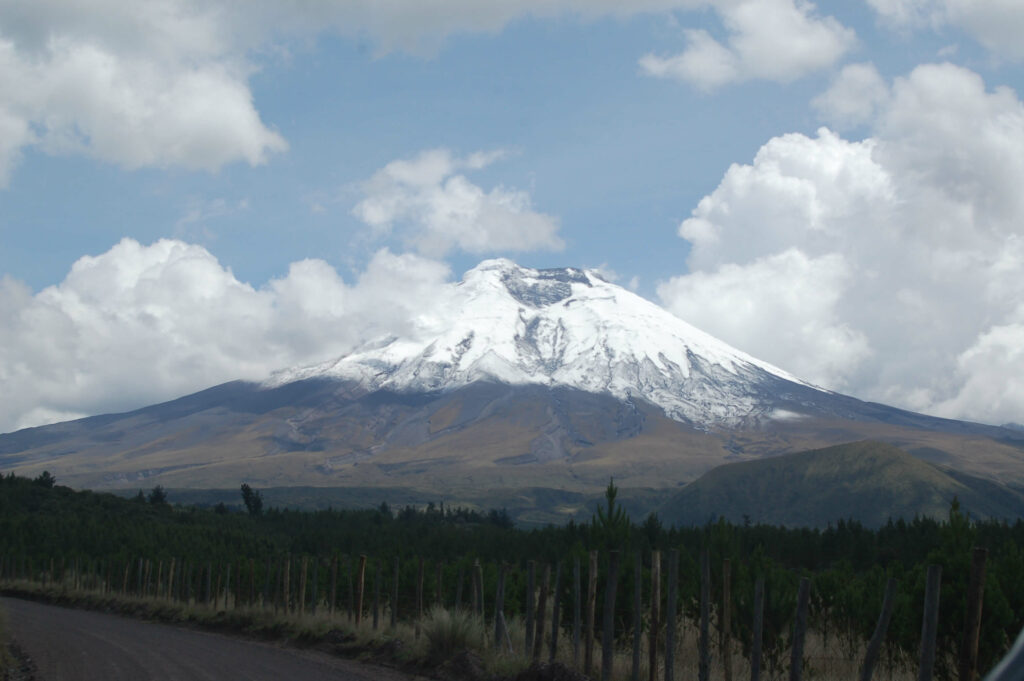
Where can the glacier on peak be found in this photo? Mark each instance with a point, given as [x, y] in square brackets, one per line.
[561, 327]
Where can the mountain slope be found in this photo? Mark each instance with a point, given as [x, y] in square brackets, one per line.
[867, 481]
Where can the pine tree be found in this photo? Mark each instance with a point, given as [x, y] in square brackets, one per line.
[611, 524]
[252, 499]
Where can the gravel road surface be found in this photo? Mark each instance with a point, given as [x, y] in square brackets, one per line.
[79, 645]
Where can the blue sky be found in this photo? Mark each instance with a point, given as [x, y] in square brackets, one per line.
[829, 187]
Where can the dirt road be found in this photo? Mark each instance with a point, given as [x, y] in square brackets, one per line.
[79, 645]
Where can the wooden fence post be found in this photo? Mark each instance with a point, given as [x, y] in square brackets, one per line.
[236, 592]
[478, 570]
[726, 619]
[252, 582]
[170, 580]
[500, 617]
[875, 645]
[652, 641]
[972, 623]
[438, 591]
[348, 584]
[588, 643]
[179, 585]
[638, 604]
[227, 584]
[208, 587]
[542, 608]
[376, 595]
[930, 623]
[670, 614]
[608, 624]
[796, 662]
[556, 611]
[314, 595]
[531, 572]
[302, 586]
[287, 582]
[217, 590]
[419, 597]
[576, 621]
[360, 581]
[474, 602]
[704, 670]
[269, 582]
[499, 605]
[458, 587]
[334, 585]
[394, 596]
[279, 602]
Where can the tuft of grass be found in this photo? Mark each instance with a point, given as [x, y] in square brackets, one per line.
[449, 632]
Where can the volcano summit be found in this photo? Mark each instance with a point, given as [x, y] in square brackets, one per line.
[564, 328]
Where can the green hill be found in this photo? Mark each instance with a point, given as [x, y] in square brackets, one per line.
[866, 481]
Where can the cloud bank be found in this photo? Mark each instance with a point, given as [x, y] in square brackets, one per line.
[139, 324]
[891, 268]
[161, 83]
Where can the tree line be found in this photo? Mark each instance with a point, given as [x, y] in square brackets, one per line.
[848, 564]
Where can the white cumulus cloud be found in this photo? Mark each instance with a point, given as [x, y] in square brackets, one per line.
[440, 209]
[901, 255]
[985, 385]
[789, 293]
[996, 24]
[139, 324]
[147, 84]
[777, 40]
[854, 96]
[158, 83]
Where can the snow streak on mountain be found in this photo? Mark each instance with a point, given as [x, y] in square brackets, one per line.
[563, 327]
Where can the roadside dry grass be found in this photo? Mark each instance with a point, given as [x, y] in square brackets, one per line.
[451, 645]
[6, 661]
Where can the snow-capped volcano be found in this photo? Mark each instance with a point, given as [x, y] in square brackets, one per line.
[517, 379]
[562, 327]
